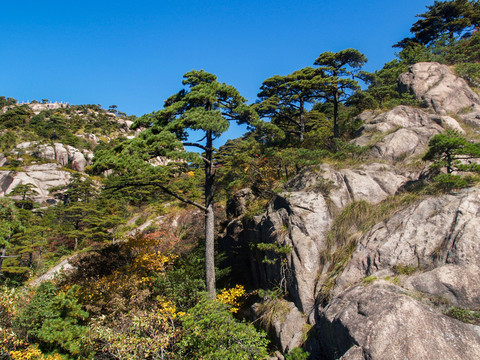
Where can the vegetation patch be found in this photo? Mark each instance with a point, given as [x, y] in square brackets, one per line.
[464, 315]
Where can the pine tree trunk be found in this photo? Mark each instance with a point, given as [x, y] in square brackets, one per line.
[302, 122]
[336, 130]
[209, 219]
[210, 251]
[2, 255]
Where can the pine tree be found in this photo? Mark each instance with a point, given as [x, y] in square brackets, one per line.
[205, 106]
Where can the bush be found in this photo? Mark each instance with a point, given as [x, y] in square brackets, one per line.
[211, 332]
[55, 320]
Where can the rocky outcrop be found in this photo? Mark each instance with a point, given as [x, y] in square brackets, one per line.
[401, 132]
[44, 177]
[381, 322]
[64, 155]
[382, 291]
[430, 234]
[439, 88]
[430, 248]
[301, 216]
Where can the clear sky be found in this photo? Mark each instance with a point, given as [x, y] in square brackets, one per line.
[133, 53]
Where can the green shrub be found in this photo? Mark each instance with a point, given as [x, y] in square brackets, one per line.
[55, 320]
[464, 315]
[211, 332]
[297, 354]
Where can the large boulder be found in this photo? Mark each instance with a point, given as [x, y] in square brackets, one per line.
[401, 132]
[381, 321]
[439, 88]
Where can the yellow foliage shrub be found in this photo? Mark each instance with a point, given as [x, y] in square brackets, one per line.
[232, 297]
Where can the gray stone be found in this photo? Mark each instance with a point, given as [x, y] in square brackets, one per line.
[301, 217]
[381, 322]
[43, 176]
[78, 161]
[237, 205]
[287, 324]
[46, 152]
[438, 87]
[61, 154]
[456, 284]
[430, 233]
[401, 132]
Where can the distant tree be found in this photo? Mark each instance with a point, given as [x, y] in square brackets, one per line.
[205, 106]
[25, 191]
[44, 101]
[453, 19]
[7, 101]
[9, 225]
[338, 82]
[113, 108]
[284, 99]
[79, 188]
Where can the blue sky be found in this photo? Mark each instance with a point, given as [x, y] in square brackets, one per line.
[133, 53]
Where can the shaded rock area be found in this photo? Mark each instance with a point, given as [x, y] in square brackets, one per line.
[288, 325]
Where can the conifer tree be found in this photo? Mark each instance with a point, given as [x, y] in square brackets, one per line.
[205, 106]
[453, 19]
[284, 99]
[338, 82]
[9, 225]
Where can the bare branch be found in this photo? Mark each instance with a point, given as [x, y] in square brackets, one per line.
[204, 148]
[163, 188]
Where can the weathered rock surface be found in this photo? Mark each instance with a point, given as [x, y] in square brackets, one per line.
[401, 132]
[429, 234]
[288, 325]
[43, 176]
[301, 217]
[62, 154]
[381, 322]
[456, 284]
[237, 205]
[439, 88]
[429, 248]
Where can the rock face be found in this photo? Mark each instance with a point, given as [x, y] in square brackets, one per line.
[389, 297]
[288, 324]
[439, 88]
[62, 154]
[43, 176]
[381, 322]
[429, 234]
[401, 132]
[301, 217]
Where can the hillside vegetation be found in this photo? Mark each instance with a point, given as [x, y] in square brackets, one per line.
[174, 249]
